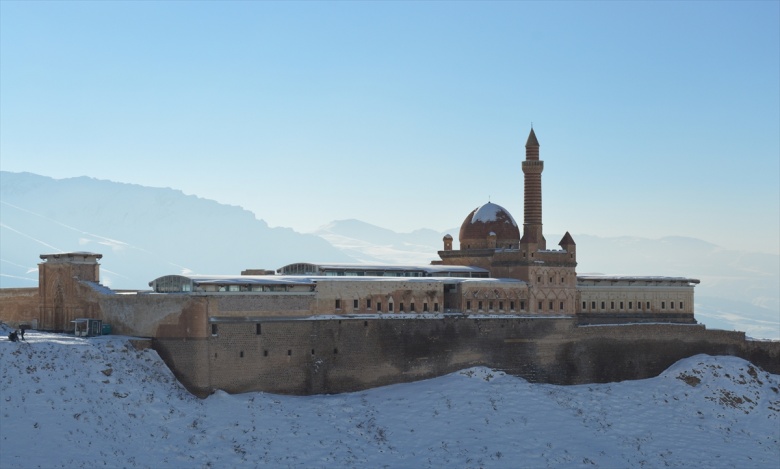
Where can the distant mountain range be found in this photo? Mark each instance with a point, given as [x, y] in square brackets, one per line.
[146, 232]
[142, 232]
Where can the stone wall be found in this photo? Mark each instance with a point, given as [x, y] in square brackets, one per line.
[19, 306]
[188, 360]
[623, 299]
[154, 315]
[340, 296]
[342, 355]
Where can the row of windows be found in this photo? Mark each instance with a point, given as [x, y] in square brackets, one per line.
[266, 353]
[571, 255]
[258, 328]
[491, 305]
[256, 288]
[391, 306]
[640, 306]
[551, 282]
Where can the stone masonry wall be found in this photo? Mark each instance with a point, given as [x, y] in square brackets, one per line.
[19, 306]
[332, 356]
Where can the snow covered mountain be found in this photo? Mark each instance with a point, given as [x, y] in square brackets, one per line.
[98, 402]
[371, 244]
[142, 232]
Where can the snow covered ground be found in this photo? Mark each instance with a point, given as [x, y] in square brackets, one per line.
[98, 402]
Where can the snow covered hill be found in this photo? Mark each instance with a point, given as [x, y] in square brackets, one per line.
[98, 402]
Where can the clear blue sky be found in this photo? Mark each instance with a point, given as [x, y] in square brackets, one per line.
[654, 118]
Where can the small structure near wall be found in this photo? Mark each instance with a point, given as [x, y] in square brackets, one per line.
[85, 327]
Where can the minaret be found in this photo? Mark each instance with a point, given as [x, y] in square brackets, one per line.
[532, 219]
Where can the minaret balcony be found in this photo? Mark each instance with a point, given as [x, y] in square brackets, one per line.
[533, 167]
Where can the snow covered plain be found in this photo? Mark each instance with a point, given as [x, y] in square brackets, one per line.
[98, 402]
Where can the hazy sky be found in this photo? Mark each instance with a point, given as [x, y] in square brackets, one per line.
[654, 118]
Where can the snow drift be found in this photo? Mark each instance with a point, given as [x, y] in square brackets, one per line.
[99, 402]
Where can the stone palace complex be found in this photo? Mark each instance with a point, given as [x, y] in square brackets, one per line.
[503, 299]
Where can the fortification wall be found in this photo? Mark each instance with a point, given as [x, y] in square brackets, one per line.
[260, 304]
[19, 306]
[154, 315]
[188, 360]
[366, 297]
[332, 356]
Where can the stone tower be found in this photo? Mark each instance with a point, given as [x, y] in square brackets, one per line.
[59, 276]
[532, 219]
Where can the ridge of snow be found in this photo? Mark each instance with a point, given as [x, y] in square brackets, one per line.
[92, 402]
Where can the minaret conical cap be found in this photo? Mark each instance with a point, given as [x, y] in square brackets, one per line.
[532, 141]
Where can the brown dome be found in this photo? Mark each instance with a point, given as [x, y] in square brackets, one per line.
[484, 221]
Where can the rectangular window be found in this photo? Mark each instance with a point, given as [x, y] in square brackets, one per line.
[265, 353]
[411, 307]
[511, 306]
[355, 304]
[681, 305]
[368, 303]
[522, 306]
[490, 306]
[551, 280]
[425, 307]
[241, 354]
[584, 305]
[630, 305]
[561, 305]
[621, 305]
[436, 307]
[663, 305]
[289, 352]
[338, 304]
[400, 307]
[538, 279]
[603, 305]
[390, 307]
[500, 305]
[671, 304]
[379, 306]
[541, 306]
[593, 305]
[562, 280]
[611, 305]
[639, 305]
[479, 306]
[468, 306]
[213, 329]
[257, 329]
[550, 306]
[648, 305]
